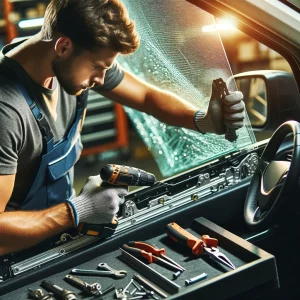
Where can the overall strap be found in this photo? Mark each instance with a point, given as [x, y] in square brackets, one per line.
[44, 127]
[39, 117]
[82, 100]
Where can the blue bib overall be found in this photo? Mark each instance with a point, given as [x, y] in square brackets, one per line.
[54, 180]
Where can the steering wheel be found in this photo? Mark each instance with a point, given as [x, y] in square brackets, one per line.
[274, 182]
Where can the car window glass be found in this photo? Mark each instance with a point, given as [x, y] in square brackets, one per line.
[292, 3]
[247, 54]
[178, 54]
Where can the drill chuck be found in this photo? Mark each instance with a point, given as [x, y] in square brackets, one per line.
[124, 175]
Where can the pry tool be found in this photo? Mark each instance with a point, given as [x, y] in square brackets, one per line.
[230, 135]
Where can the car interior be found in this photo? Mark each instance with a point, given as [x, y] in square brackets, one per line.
[244, 192]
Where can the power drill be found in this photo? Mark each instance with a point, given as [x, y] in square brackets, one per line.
[121, 175]
[124, 175]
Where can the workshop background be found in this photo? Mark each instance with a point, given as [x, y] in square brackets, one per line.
[108, 134]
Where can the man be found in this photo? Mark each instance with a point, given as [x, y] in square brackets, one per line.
[41, 117]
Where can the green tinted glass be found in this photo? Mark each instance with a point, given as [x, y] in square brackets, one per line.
[175, 54]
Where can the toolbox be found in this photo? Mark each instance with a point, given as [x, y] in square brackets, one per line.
[195, 201]
[254, 268]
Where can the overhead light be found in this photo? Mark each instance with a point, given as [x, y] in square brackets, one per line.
[31, 23]
[221, 26]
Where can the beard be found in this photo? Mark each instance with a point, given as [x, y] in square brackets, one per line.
[62, 71]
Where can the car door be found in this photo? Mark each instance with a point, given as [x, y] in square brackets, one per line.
[213, 186]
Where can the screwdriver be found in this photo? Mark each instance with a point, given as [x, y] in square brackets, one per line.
[206, 245]
[139, 253]
[152, 249]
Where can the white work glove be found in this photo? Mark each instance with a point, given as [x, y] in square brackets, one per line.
[229, 112]
[96, 204]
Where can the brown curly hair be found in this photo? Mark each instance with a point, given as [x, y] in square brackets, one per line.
[92, 24]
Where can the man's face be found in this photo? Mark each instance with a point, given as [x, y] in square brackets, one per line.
[76, 73]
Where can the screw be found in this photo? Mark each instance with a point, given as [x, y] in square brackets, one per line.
[176, 274]
[107, 290]
[161, 201]
[127, 286]
[138, 288]
[196, 279]
[195, 197]
[148, 293]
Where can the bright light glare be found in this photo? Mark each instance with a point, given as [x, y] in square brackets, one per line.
[31, 23]
[222, 26]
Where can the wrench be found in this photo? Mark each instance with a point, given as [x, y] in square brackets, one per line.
[118, 274]
[91, 289]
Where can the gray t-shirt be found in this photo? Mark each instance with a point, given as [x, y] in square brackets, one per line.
[20, 137]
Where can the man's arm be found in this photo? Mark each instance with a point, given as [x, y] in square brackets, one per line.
[6, 187]
[23, 229]
[163, 105]
[173, 110]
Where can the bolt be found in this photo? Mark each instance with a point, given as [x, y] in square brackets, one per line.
[133, 291]
[138, 288]
[127, 286]
[161, 201]
[194, 197]
[196, 279]
[176, 274]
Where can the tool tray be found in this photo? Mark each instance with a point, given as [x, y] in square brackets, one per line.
[255, 268]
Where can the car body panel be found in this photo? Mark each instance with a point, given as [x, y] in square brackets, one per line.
[223, 207]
